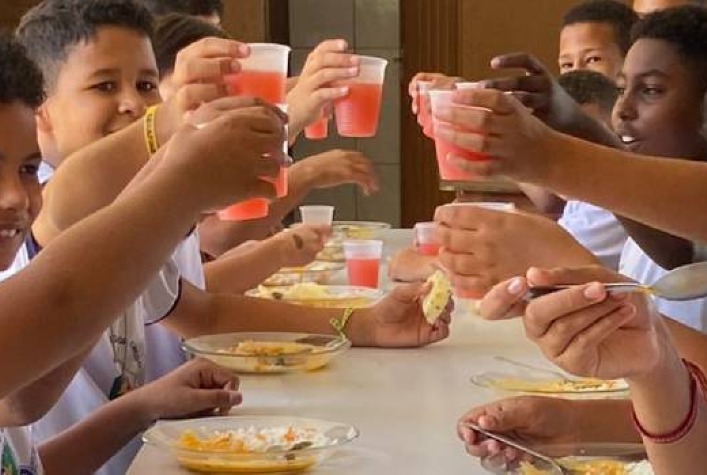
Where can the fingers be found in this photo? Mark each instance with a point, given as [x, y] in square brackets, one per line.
[208, 60]
[191, 96]
[572, 276]
[504, 300]
[491, 99]
[519, 61]
[408, 293]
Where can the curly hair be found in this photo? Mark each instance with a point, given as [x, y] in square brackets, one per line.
[20, 79]
[49, 30]
[174, 32]
[186, 7]
[685, 28]
[590, 87]
[612, 12]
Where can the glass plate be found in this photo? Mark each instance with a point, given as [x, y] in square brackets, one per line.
[321, 296]
[277, 457]
[312, 351]
[606, 459]
[528, 383]
[317, 272]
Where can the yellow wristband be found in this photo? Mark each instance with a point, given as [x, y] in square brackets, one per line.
[151, 130]
[339, 324]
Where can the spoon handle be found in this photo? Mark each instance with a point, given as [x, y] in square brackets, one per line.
[614, 288]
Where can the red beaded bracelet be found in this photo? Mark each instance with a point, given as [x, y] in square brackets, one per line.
[698, 384]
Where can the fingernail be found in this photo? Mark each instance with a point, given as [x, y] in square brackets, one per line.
[343, 91]
[235, 66]
[235, 398]
[516, 286]
[355, 60]
[626, 310]
[342, 45]
[594, 291]
[243, 49]
[352, 71]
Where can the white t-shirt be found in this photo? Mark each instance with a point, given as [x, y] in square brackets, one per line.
[596, 229]
[18, 455]
[637, 265]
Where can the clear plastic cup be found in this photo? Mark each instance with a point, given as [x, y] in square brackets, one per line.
[263, 74]
[469, 85]
[358, 113]
[363, 259]
[317, 215]
[442, 102]
[492, 205]
[424, 115]
[426, 238]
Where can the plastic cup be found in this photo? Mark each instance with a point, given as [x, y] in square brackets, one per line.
[317, 215]
[363, 259]
[426, 238]
[358, 113]
[318, 130]
[263, 74]
[442, 102]
[424, 116]
[468, 85]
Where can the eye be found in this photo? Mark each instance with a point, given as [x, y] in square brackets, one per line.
[594, 59]
[621, 90]
[566, 66]
[146, 86]
[30, 169]
[106, 86]
[652, 91]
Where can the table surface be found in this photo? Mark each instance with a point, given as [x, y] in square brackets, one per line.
[404, 402]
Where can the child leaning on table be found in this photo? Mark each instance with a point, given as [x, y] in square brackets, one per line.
[71, 275]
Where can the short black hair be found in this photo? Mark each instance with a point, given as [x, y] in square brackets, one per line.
[20, 79]
[49, 30]
[685, 28]
[176, 31]
[186, 7]
[612, 12]
[590, 87]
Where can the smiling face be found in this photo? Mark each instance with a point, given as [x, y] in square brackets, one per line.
[104, 85]
[20, 192]
[659, 110]
[590, 46]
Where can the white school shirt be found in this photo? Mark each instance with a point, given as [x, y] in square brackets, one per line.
[638, 266]
[18, 455]
[596, 229]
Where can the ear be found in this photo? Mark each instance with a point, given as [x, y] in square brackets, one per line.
[44, 123]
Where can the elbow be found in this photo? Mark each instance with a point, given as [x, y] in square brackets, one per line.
[16, 410]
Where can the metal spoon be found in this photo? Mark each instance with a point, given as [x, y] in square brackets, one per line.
[683, 283]
[548, 462]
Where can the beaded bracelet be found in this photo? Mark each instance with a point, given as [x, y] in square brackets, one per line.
[151, 130]
[340, 323]
[698, 385]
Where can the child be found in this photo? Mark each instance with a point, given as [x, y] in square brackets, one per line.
[644, 7]
[79, 304]
[97, 172]
[596, 35]
[207, 10]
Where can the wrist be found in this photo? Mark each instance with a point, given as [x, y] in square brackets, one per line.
[360, 328]
[165, 122]
[139, 409]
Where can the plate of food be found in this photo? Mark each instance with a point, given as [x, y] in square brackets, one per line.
[250, 444]
[320, 296]
[268, 352]
[317, 272]
[582, 459]
[530, 383]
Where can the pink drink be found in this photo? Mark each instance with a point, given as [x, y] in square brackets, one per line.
[266, 85]
[428, 249]
[363, 272]
[281, 183]
[250, 209]
[447, 170]
[357, 114]
[318, 130]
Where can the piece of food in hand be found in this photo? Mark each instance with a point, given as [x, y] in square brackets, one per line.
[437, 299]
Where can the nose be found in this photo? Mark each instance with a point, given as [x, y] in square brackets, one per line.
[625, 109]
[13, 195]
[132, 103]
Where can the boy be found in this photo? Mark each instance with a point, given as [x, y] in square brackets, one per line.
[101, 76]
[79, 304]
[207, 10]
[644, 7]
[595, 36]
[660, 110]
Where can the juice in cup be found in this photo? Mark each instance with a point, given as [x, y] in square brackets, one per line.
[426, 239]
[358, 113]
[424, 117]
[442, 102]
[263, 74]
[318, 130]
[363, 261]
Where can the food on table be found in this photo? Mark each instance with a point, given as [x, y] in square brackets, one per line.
[594, 467]
[315, 295]
[269, 348]
[558, 385]
[317, 272]
[436, 300]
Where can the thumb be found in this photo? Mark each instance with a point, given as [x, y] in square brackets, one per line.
[204, 399]
[409, 293]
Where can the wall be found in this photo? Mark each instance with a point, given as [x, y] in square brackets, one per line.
[372, 28]
[12, 10]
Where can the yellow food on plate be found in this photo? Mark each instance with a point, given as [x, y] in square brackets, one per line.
[269, 348]
[594, 467]
[315, 295]
[214, 465]
[436, 300]
[579, 385]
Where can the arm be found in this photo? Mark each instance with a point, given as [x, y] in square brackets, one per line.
[545, 201]
[240, 270]
[409, 265]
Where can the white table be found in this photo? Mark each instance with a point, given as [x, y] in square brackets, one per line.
[404, 402]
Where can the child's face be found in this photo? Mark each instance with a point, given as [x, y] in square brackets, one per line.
[590, 46]
[20, 192]
[644, 7]
[659, 110]
[104, 85]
